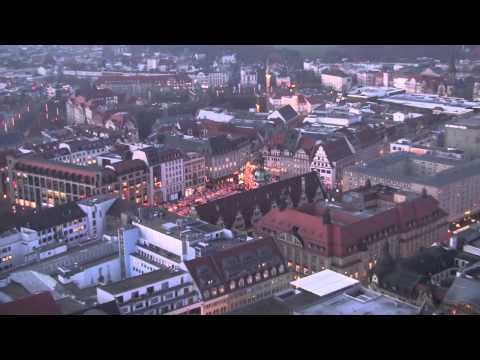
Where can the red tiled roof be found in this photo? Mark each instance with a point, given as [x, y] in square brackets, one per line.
[38, 304]
[346, 229]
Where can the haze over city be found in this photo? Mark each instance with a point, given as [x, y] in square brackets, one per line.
[239, 179]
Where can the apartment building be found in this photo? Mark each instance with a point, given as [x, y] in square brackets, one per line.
[239, 276]
[195, 172]
[38, 182]
[160, 292]
[166, 173]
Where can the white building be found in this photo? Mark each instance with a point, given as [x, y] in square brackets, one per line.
[298, 102]
[156, 293]
[335, 117]
[97, 272]
[401, 116]
[248, 77]
[157, 243]
[218, 79]
[215, 114]
[229, 59]
[152, 64]
[41, 235]
[96, 209]
[166, 173]
[337, 80]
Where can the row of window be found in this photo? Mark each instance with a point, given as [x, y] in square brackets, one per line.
[6, 249]
[240, 283]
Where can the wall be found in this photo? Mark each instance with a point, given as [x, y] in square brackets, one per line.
[110, 269]
[159, 239]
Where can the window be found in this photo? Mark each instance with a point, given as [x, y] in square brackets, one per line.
[135, 294]
[150, 290]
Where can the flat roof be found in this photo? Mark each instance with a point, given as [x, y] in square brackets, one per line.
[324, 282]
[372, 304]
[381, 167]
[97, 199]
[141, 280]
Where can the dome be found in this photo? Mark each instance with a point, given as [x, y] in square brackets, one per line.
[260, 175]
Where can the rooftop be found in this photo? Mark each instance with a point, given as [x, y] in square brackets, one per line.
[386, 166]
[357, 301]
[324, 282]
[141, 280]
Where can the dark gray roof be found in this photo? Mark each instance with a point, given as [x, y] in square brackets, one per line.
[44, 218]
[430, 261]
[157, 156]
[141, 280]
[222, 144]
[270, 306]
[287, 112]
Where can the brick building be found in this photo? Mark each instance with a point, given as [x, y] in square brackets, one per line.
[347, 236]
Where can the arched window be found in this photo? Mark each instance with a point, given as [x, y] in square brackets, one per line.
[241, 283]
[232, 285]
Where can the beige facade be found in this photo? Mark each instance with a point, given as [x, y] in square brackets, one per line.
[284, 163]
[248, 295]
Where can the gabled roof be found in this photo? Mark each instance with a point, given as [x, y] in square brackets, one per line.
[337, 150]
[44, 218]
[233, 263]
[288, 113]
[38, 304]
[263, 197]
[128, 166]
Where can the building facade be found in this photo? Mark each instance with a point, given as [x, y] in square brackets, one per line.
[195, 175]
[454, 183]
[160, 292]
[166, 173]
[240, 276]
[348, 236]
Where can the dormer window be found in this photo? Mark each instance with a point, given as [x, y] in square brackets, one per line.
[214, 292]
[206, 294]
[221, 289]
[241, 283]
[273, 272]
[258, 277]
[249, 279]
[232, 285]
[281, 268]
[265, 274]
